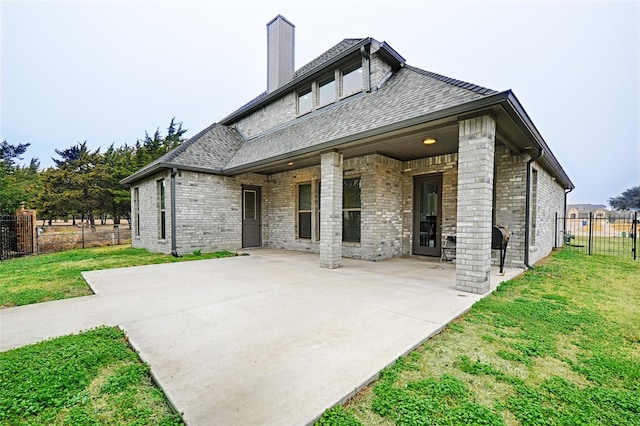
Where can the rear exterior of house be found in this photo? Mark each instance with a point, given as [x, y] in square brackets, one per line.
[358, 154]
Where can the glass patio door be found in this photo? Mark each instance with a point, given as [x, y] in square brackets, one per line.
[427, 216]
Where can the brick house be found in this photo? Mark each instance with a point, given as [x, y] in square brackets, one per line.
[582, 211]
[357, 154]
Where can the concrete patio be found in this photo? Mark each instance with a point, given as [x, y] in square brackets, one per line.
[265, 339]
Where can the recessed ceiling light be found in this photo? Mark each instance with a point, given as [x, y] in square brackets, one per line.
[429, 141]
[290, 163]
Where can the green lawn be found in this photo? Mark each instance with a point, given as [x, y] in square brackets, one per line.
[93, 378]
[610, 246]
[558, 346]
[55, 276]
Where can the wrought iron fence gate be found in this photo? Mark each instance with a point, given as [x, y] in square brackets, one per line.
[615, 234]
[16, 236]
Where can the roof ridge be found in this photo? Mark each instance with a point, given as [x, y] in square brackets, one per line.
[454, 82]
[334, 50]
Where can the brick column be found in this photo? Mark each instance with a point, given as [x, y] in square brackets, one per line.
[476, 138]
[331, 210]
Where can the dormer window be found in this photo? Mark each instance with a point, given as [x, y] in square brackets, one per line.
[341, 83]
[305, 101]
[326, 91]
[352, 80]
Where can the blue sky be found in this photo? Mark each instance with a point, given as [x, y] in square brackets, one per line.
[106, 71]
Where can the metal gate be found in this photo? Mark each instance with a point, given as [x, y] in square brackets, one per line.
[614, 234]
[16, 236]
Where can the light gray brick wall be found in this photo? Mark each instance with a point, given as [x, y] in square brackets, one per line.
[381, 219]
[549, 201]
[510, 205]
[381, 198]
[386, 218]
[209, 207]
[272, 115]
[448, 166]
[149, 214]
[331, 166]
[282, 217]
[510, 197]
[208, 214]
[379, 69]
[475, 203]
[208, 211]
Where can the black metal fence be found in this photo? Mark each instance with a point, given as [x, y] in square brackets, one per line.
[50, 242]
[16, 236]
[614, 234]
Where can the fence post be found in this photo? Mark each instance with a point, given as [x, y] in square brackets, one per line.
[83, 235]
[635, 235]
[590, 231]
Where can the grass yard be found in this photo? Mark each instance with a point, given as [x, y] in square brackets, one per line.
[92, 378]
[55, 276]
[559, 345]
[609, 246]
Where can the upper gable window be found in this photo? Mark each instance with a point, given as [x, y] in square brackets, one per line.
[352, 80]
[326, 91]
[305, 101]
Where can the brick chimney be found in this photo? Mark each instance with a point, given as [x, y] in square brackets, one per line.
[280, 52]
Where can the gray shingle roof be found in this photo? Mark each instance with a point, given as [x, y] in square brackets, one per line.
[409, 93]
[211, 149]
[345, 44]
[469, 86]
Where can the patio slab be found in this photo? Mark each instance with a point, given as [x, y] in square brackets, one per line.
[265, 339]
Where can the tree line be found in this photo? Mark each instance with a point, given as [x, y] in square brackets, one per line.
[82, 184]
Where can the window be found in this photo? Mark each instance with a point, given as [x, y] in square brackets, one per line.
[304, 211]
[136, 210]
[352, 80]
[326, 91]
[305, 101]
[347, 81]
[250, 205]
[162, 218]
[351, 209]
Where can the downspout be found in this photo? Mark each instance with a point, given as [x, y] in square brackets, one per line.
[367, 68]
[174, 246]
[564, 222]
[527, 209]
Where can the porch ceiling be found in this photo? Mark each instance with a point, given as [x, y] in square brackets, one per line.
[407, 143]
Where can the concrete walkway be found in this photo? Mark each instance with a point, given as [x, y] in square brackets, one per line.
[265, 339]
